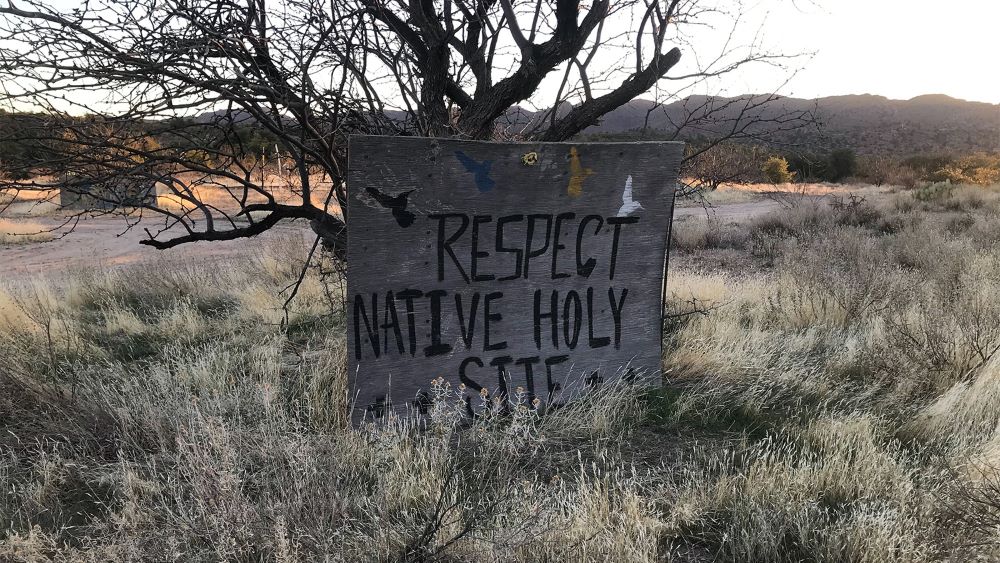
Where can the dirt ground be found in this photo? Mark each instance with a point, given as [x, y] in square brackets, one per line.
[108, 243]
[729, 212]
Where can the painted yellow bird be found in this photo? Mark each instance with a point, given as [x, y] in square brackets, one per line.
[577, 174]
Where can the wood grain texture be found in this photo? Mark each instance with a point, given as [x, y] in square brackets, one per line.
[486, 265]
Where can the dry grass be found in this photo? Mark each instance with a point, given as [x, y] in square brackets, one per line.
[7, 196]
[732, 194]
[23, 232]
[837, 403]
[725, 195]
[29, 203]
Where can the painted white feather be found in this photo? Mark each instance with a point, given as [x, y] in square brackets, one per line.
[629, 205]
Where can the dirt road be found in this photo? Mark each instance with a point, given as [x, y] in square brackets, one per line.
[733, 212]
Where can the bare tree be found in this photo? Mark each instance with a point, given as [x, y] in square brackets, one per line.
[189, 94]
[723, 164]
[877, 169]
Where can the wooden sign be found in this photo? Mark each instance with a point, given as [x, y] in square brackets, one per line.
[503, 265]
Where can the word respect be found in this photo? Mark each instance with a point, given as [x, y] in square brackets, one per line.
[524, 240]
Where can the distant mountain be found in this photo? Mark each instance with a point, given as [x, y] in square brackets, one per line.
[866, 123]
[932, 124]
[236, 116]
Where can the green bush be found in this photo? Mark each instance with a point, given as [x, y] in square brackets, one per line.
[807, 166]
[842, 165]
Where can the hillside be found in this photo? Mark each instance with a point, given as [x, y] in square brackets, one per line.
[931, 124]
[867, 123]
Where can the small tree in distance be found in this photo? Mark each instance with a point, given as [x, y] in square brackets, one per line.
[877, 169]
[726, 163]
[776, 171]
[842, 165]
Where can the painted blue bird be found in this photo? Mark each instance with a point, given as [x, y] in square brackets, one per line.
[479, 170]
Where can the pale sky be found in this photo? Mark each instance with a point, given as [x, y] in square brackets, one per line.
[895, 48]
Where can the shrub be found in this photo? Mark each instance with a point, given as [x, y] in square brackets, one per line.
[807, 166]
[793, 222]
[977, 169]
[925, 165]
[936, 191]
[702, 234]
[876, 169]
[960, 223]
[903, 176]
[842, 164]
[776, 171]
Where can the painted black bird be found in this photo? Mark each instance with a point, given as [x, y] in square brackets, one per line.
[397, 204]
[479, 170]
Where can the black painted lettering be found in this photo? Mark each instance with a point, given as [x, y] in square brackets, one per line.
[464, 377]
[617, 222]
[468, 329]
[444, 244]
[594, 342]
[549, 362]
[557, 246]
[436, 347]
[572, 319]
[408, 295]
[488, 318]
[586, 268]
[371, 325]
[501, 364]
[476, 253]
[616, 311]
[551, 315]
[517, 252]
[529, 373]
[529, 251]
[390, 319]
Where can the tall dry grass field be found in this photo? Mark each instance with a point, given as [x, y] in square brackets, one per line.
[831, 394]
